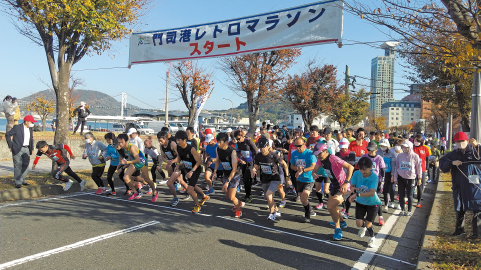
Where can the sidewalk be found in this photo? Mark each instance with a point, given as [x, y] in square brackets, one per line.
[44, 166]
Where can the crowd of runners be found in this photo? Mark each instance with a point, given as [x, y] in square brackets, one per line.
[339, 167]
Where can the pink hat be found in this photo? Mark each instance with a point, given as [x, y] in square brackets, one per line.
[344, 143]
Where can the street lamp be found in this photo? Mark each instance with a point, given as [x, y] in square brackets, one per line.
[232, 109]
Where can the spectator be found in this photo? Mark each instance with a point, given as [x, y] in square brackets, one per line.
[21, 146]
[17, 115]
[82, 113]
[463, 164]
[9, 110]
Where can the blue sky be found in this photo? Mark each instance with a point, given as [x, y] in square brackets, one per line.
[24, 63]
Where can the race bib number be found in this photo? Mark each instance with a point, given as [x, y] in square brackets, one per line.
[329, 174]
[187, 164]
[432, 158]
[363, 189]
[374, 166]
[226, 166]
[266, 169]
[169, 155]
[405, 166]
[54, 158]
[246, 154]
[300, 163]
[312, 145]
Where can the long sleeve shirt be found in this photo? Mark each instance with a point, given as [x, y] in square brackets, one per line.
[408, 166]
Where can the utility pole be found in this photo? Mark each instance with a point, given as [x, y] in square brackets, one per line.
[123, 104]
[347, 81]
[475, 129]
[232, 109]
[167, 98]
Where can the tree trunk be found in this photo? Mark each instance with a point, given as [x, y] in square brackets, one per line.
[253, 112]
[192, 116]
[44, 123]
[63, 97]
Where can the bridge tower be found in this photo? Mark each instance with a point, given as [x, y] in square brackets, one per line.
[123, 103]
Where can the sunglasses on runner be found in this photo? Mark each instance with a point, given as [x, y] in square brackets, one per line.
[297, 146]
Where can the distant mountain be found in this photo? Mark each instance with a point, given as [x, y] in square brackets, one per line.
[100, 103]
[273, 110]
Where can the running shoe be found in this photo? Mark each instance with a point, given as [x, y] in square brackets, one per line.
[278, 214]
[163, 182]
[238, 214]
[313, 214]
[140, 185]
[429, 181]
[402, 213]
[174, 201]
[111, 193]
[409, 214]
[294, 192]
[392, 205]
[104, 190]
[272, 217]
[320, 206]
[183, 191]
[242, 204]
[82, 185]
[397, 197]
[68, 185]
[337, 234]
[210, 191]
[196, 209]
[241, 187]
[238, 189]
[149, 191]
[128, 192]
[345, 215]
[398, 207]
[282, 204]
[206, 198]
[418, 205]
[187, 197]
[99, 191]
[458, 233]
[386, 209]
[362, 232]
[371, 242]
[381, 221]
[343, 224]
[136, 195]
[154, 196]
[261, 193]
[248, 199]
[307, 220]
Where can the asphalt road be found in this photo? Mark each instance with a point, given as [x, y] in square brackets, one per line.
[48, 234]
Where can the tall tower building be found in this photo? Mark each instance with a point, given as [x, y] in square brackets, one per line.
[382, 78]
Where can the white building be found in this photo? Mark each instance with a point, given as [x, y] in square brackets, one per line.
[322, 120]
[399, 113]
[382, 78]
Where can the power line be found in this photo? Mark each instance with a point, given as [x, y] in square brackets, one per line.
[89, 69]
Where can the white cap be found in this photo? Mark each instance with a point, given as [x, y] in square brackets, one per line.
[344, 143]
[384, 142]
[229, 130]
[131, 131]
[82, 103]
[258, 130]
[208, 138]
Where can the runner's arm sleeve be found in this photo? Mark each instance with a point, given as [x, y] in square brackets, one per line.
[66, 147]
[382, 173]
[36, 160]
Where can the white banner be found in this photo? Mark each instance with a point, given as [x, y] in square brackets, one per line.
[306, 25]
[198, 106]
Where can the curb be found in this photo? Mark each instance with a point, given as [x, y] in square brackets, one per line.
[30, 192]
[425, 260]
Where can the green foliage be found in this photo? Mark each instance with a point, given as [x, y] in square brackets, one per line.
[350, 110]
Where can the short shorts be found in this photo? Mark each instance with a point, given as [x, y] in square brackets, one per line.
[324, 179]
[219, 172]
[301, 186]
[192, 181]
[139, 165]
[367, 212]
[234, 183]
[337, 192]
[272, 186]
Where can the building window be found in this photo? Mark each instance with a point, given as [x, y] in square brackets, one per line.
[397, 118]
[412, 109]
[412, 119]
[412, 114]
[397, 109]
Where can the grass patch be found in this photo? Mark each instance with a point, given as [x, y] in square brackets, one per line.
[454, 252]
[37, 179]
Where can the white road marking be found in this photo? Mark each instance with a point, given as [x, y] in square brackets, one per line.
[48, 199]
[367, 251]
[367, 256]
[75, 245]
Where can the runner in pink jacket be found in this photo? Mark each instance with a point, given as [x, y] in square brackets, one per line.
[408, 166]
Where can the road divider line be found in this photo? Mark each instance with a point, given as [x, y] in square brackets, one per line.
[372, 253]
[367, 256]
[75, 245]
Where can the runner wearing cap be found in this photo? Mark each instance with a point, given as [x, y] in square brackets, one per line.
[339, 187]
[292, 172]
[95, 151]
[423, 152]
[378, 167]
[267, 164]
[322, 182]
[135, 139]
[247, 150]
[211, 157]
[227, 157]
[408, 167]
[390, 162]
[365, 183]
[349, 157]
[303, 162]
[229, 132]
